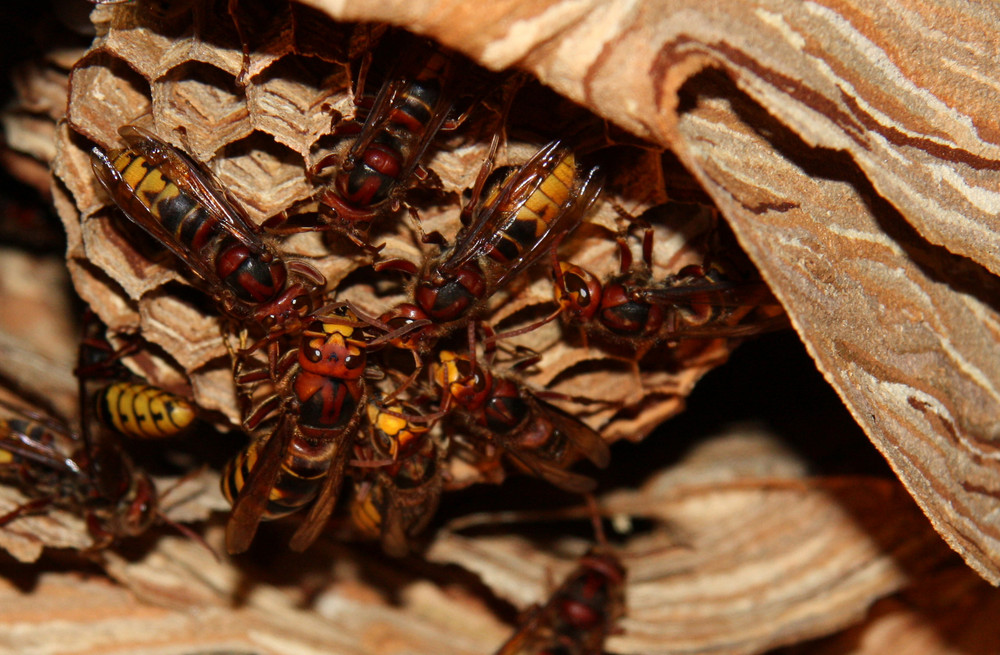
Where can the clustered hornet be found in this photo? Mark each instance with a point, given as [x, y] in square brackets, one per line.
[55, 467]
[187, 211]
[579, 614]
[119, 399]
[631, 308]
[321, 397]
[502, 412]
[326, 397]
[398, 499]
[86, 471]
[413, 104]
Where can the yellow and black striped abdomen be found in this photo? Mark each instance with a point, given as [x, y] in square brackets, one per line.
[299, 479]
[367, 509]
[552, 194]
[181, 215]
[143, 412]
[543, 206]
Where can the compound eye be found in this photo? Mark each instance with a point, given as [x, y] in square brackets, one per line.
[313, 354]
[301, 305]
[479, 381]
[382, 442]
[578, 289]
